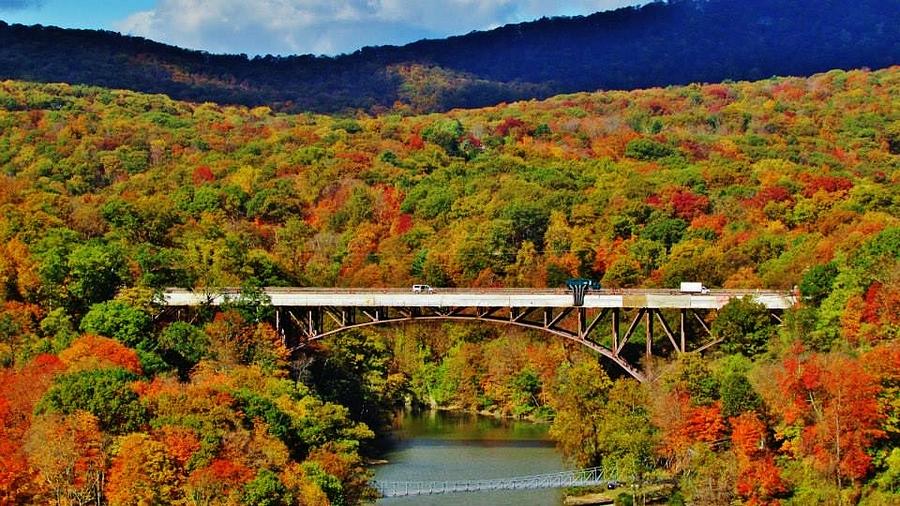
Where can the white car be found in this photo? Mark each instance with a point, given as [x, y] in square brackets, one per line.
[422, 289]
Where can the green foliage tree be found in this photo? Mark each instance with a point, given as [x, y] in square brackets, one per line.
[649, 254]
[817, 281]
[183, 344]
[625, 272]
[626, 437]
[580, 395]
[738, 395]
[95, 272]
[105, 393]
[58, 325]
[529, 221]
[664, 230]
[266, 489]
[648, 149]
[354, 373]
[446, 134]
[119, 320]
[744, 326]
[690, 373]
[329, 484]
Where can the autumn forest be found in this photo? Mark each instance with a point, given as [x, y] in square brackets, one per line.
[108, 196]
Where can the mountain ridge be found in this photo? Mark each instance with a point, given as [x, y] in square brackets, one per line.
[657, 44]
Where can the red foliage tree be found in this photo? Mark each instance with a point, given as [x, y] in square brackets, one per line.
[203, 174]
[687, 204]
[19, 392]
[704, 424]
[759, 479]
[717, 91]
[827, 184]
[770, 194]
[683, 424]
[15, 475]
[834, 401]
[415, 142]
[508, 125]
[714, 222]
[221, 478]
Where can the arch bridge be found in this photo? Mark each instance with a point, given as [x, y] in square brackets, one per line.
[603, 320]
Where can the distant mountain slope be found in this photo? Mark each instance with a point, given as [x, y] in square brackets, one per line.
[656, 45]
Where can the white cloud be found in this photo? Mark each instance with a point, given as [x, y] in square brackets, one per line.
[332, 26]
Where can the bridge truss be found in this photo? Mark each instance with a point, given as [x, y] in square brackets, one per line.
[605, 331]
[603, 321]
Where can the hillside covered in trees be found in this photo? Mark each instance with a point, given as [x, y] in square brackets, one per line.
[659, 44]
[108, 196]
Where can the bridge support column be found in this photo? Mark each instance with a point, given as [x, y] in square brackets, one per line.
[681, 315]
[582, 316]
[649, 316]
[615, 331]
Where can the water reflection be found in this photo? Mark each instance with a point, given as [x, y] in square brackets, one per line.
[441, 446]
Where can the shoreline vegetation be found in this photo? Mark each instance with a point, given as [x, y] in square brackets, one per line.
[107, 196]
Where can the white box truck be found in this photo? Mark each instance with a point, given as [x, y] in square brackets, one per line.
[693, 287]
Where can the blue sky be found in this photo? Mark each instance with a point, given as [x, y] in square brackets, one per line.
[291, 26]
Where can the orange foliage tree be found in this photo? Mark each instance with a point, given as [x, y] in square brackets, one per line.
[143, 472]
[833, 401]
[19, 392]
[221, 479]
[90, 351]
[759, 479]
[67, 452]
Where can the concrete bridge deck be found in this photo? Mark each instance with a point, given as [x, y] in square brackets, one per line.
[485, 297]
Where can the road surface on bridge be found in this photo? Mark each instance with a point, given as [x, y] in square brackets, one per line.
[484, 297]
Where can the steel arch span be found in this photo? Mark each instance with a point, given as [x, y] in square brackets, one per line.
[573, 323]
[601, 320]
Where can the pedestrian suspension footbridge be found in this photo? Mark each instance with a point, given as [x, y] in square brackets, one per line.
[603, 320]
[580, 478]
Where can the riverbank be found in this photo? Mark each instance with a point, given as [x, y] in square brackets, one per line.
[422, 407]
[654, 494]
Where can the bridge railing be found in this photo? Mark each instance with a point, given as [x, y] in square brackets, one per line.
[490, 291]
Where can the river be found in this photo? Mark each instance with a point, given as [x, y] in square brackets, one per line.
[442, 446]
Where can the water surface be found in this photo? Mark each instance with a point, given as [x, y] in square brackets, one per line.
[443, 446]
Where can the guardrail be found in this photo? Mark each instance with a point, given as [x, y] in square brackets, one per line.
[490, 291]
